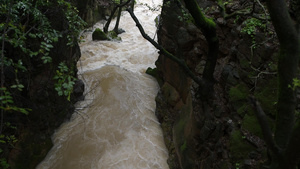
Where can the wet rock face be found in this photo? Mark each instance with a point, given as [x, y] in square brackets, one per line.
[98, 34]
[218, 133]
[174, 108]
[93, 11]
[49, 110]
[180, 39]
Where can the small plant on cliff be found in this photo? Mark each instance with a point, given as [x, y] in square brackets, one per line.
[295, 84]
[251, 26]
[64, 80]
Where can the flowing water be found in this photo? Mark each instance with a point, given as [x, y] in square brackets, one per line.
[115, 127]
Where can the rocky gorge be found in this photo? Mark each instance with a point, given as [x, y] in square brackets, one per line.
[220, 131]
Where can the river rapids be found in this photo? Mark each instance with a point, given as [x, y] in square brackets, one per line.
[115, 126]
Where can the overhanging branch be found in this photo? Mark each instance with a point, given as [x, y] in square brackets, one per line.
[163, 51]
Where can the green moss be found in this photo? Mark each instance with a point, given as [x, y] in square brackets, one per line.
[114, 36]
[170, 94]
[245, 108]
[98, 34]
[152, 72]
[251, 124]
[267, 96]
[210, 23]
[183, 146]
[180, 125]
[238, 92]
[239, 147]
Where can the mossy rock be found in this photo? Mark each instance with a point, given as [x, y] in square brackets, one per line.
[238, 92]
[239, 147]
[114, 36]
[98, 34]
[170, 94]
[267, 95]
[238, 96]
[152, 72]
[246, 108]
[251, 124]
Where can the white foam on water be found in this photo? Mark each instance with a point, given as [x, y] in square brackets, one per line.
[115, 126]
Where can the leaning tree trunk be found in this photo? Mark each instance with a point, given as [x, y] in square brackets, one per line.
[286, 145]
[116, 29]
[105, 28]
[287, 69]
[208, 28]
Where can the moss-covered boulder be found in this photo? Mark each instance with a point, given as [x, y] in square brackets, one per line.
[112, 35]
[98, 34]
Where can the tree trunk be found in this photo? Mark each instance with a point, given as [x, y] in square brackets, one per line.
[287, 68]
[105, 28]
[287, 71]
[208, 28]
[116, 29]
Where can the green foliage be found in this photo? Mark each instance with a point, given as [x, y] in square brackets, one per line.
[64, 80]
[237, 165]
[11, 139]
[27, 33]
[36, 26]
[8, 140]
[7, 103]
[185, 16]
[28, 21]
[295, 84]
[251, 26]
[116, 1]
[226, 2]
[3, 163]
[76, 24]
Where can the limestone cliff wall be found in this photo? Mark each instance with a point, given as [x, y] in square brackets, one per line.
[174, 102]
[218, 132]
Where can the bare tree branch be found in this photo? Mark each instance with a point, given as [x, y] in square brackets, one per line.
[263, 122]
[181, 62]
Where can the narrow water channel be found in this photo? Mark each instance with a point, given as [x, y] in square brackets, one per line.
[115, 126]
